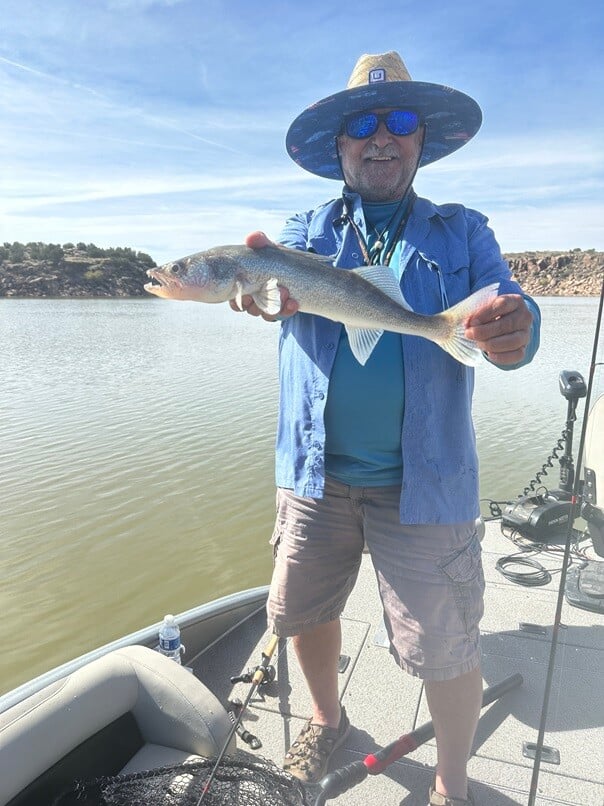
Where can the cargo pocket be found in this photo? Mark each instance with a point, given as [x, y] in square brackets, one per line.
[279, 526]
[276, 539]
[464, 571]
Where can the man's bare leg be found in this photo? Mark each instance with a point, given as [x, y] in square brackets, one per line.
[455, 708]
[318, 651]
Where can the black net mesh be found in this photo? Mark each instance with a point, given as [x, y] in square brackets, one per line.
[255, 782]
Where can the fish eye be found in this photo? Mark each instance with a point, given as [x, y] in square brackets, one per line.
[175, 268]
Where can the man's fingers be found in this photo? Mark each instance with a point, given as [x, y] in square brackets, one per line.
[289, 306]
[492, 330]
[246, 302]
[500, 306]
[505, 315]
[257, 240]
[508, 357]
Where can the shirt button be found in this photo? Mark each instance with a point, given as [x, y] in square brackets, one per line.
[321, 396]
[355, 254]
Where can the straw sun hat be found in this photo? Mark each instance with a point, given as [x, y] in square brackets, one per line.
[380, 81]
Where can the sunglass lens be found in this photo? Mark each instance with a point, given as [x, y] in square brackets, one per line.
[361, 126]
[402, 121]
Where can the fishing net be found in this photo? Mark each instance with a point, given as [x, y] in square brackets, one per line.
[255, 782]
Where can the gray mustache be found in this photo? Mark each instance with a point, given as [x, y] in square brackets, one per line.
[378, 153]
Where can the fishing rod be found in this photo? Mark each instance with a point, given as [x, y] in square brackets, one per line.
[262, 673]
[340, 781]
[565, 562]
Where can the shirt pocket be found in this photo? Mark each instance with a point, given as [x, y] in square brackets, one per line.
[450, 275]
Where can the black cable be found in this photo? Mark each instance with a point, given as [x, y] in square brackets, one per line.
[494, 508]
[538, 576]
[558, 447]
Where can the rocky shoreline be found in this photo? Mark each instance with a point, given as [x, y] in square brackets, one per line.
[565, 274]
[72, 271]
[84, 270]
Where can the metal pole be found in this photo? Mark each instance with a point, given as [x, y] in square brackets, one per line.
[565, 564]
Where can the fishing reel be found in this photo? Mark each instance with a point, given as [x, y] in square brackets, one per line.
[268, 676]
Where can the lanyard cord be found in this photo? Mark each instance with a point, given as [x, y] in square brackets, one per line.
[374, 259]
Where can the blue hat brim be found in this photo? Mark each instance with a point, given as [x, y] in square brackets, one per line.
[451, 118]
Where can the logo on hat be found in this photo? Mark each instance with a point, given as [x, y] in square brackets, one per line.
[377, 75]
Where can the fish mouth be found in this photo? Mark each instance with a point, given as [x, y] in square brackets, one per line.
[162, 285]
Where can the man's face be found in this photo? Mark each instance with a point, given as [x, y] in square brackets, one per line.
[380, 168]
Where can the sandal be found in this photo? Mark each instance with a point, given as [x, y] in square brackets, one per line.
[308, 757]
[436, 799]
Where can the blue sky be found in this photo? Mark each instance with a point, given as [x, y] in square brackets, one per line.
[160, 124]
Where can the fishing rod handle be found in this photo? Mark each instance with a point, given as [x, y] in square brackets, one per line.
[262, 671]
[340, 781]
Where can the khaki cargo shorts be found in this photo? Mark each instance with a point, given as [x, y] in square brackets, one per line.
[429, 576]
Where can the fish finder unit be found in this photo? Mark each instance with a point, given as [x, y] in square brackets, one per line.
[543, 517]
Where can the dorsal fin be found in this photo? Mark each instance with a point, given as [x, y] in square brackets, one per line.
[383, 278]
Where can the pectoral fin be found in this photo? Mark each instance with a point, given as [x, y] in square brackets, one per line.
[362, 342]
[239, 296]
[268, 297]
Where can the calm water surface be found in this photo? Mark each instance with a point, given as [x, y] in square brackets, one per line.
[136, 459]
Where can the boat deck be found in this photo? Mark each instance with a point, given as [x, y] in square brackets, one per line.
[383, 703]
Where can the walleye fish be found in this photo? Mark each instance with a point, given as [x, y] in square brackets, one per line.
[367, 300]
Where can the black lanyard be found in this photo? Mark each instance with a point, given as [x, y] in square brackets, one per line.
[367, 258]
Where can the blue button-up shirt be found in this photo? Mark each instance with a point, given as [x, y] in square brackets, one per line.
[448, 252]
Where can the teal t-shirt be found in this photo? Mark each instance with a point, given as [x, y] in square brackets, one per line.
[364, 410]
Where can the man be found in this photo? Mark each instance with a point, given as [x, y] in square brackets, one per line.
[384, 454]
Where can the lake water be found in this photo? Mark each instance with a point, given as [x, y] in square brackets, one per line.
[136, 459]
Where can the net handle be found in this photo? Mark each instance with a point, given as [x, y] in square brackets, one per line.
[344, 779]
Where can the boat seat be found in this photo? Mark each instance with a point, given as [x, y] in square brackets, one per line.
[129, 710]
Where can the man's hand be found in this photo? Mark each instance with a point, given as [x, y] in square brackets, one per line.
[501, 328]
[289, 306]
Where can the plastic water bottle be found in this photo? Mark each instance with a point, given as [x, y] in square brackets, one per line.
[169, 639]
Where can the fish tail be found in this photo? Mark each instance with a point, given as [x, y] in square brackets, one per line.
[455, 342]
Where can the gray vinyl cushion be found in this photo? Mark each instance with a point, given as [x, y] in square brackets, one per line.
[176, 714]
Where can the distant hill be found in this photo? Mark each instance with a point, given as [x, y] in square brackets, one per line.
[72, 270]
[86, 270]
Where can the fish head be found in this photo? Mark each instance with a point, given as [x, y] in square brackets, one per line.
[195, 277]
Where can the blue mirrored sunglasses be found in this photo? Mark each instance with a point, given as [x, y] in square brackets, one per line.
[365, 124]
